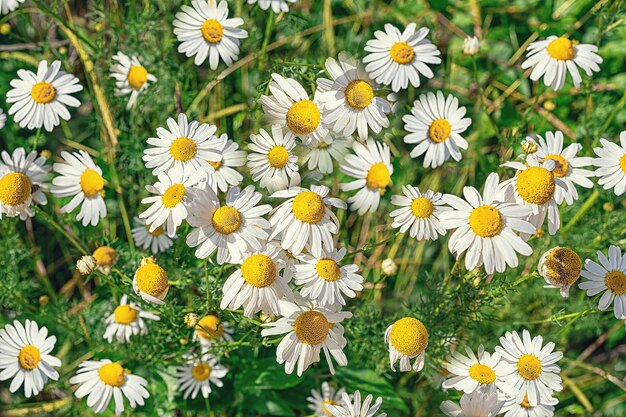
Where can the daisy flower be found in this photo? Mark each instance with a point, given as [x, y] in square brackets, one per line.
[371, 167]
[514, 408]
[419, 213]
[486, 228]
[22, 181]
[3, 119]
[290, 107]
[7, 6]
[568, 166]
[326, 396]
[231, 229]
[130, 77]
[151, 282]
[257, 285]
[435, 125]
[309, 331]
[41, 99]
[224, 175]
[407, 339]
[197, 374]
[356, 408]
[211, 329]
[276, 5]
[25, 357]
[204, 30]
[271, 160]
[348, 101]
[472, 372]
[126, 321]
[395, 57]
[608, 276]
[611, 163]
[105, 257]
[530, 367]
[156, 240]
[169, 204]
[101, 380]
[305, 220]
[325, 281]
[80, 178]
[477, 404]
[554, 57]
[560, 267]
[184, 146]
[320, 155]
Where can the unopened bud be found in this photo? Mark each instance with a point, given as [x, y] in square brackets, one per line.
[86, 264]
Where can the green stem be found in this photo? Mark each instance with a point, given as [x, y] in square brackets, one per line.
[122, 205]
[37, 139]
[82, 248]
[266, 40]
[581, 211]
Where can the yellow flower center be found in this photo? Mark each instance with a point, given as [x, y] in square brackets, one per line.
[201, 371]
[303, 117]
[312, 327]
[91, 183]
[562, 266]
[439, 130]
[483, 374]
[536, 185]
[308, 207]
[560, 165]
[152, 279]
[278, 156]
[14, 188]
[173, 195]
[183, 149]
[209, 327]
[422, 207]
[561, 49]
[259, 270]
[226, 220]
[112, 374]
[622, 162]
[156, 232]
[525, 403]
[212, 31]
[359, 94]
[43, 92]
[29, 357]
[616, 282]
[125, 314]
[378, 176]
[529, 367]
[137, 76]
[486, 221]
[105, 256]
[409, 336]
[402, 53]
[215, 164]
[328, 269]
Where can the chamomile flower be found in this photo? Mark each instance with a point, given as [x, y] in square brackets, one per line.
[554, 57]
[151, 282]
[205, 31]
[105, 257]
[568, 167]
[320, 155]
[289, 106]
[435, 125]
[130, 77]
[472, 372]
[397, 58]
[236, 227]
[608, 276]
[305, 220]
[23, 179]
[224, 173]
[257, 285]
[3, 119]
[419, 213]
[127, 320]
[7, 6]
[82, 179]
[611, 163]
[197, 375]
[348, 99]
[101, 380]
[560, 267]
[210, 329]
[276, 5]
[486, 228]
[407, 339]
[157, 241]
[371, 167]
[354, 408]
[41, 99]
[169, 204]
[308, 332]
[184, 147]
[530, 366]
[477, 404]
[25, 357]
[271, 159]
[514, 408]
[325, 280]
[326, 396]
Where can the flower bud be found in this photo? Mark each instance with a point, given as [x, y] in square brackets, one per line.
[86, 264]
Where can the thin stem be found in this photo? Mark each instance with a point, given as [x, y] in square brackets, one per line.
[82, 248]
[266, 40]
